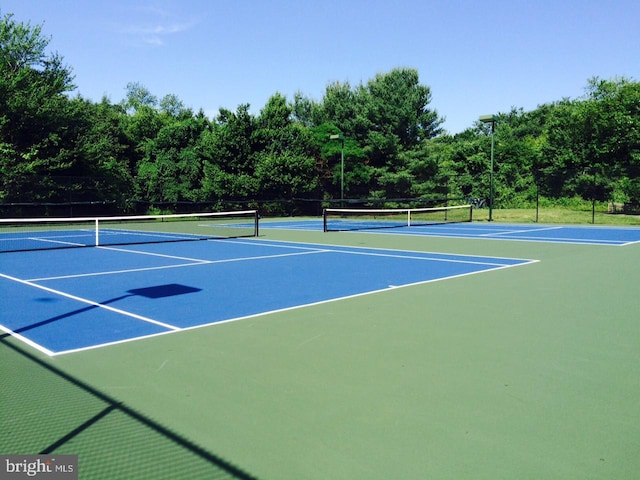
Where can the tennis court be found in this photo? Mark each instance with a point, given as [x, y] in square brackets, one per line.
[346, 355]
[68, 300]
[589, 235]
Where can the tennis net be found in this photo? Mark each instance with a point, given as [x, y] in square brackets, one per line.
[341, 219]
[20, 234]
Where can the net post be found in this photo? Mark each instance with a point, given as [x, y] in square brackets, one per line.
[257, 221]
[97, 243]
[324, 219]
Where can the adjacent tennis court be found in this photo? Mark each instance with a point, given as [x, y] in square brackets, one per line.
[429, 351]
[589, 235]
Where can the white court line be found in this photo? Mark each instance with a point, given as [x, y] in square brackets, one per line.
[511, 232]
[294, 307]
[152, 254]
[195, 263]
[49, 240]
[562, 240]
[91, 302]
[29, 342]
[116, 342]
[363, 251]
[278, 244]
[113, 272]
[471, 236]
[630, 243]
[431, 259]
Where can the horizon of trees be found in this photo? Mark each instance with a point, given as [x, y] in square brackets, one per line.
[56, 148]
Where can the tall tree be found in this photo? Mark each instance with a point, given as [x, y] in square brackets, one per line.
[344, 107]
[138, 96]
[171, 169]
[399, 105]
[611, 116]
[284, 166]
[228, 156]
[34, 111]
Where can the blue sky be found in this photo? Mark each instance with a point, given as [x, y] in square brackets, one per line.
[478, 57]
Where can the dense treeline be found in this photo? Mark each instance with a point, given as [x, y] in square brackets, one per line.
[58, 148]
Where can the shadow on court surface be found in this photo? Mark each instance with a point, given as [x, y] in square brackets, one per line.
[48, 411]
[159, 291]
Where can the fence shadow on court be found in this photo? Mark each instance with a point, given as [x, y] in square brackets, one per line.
[155, 292]
[46, 410]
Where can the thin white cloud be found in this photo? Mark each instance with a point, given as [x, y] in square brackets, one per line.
[156, 34]
[153, 26]
[156, 11]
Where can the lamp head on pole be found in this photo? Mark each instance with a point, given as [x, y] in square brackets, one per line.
[488, 118]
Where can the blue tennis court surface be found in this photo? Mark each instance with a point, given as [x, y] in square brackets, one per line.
[590, 235]
[61, 301]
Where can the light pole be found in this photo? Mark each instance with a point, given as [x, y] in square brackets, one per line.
[341, 138]
[492, 120]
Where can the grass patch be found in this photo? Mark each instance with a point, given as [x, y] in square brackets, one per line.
[555, 215]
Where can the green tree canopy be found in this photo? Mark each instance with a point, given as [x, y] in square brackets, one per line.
[34, 111]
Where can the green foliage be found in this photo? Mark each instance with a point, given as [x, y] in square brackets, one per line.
[285, 176]
[21, 46]
[35, 115]
[227, 151]
[283, 166]
[170, 170]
